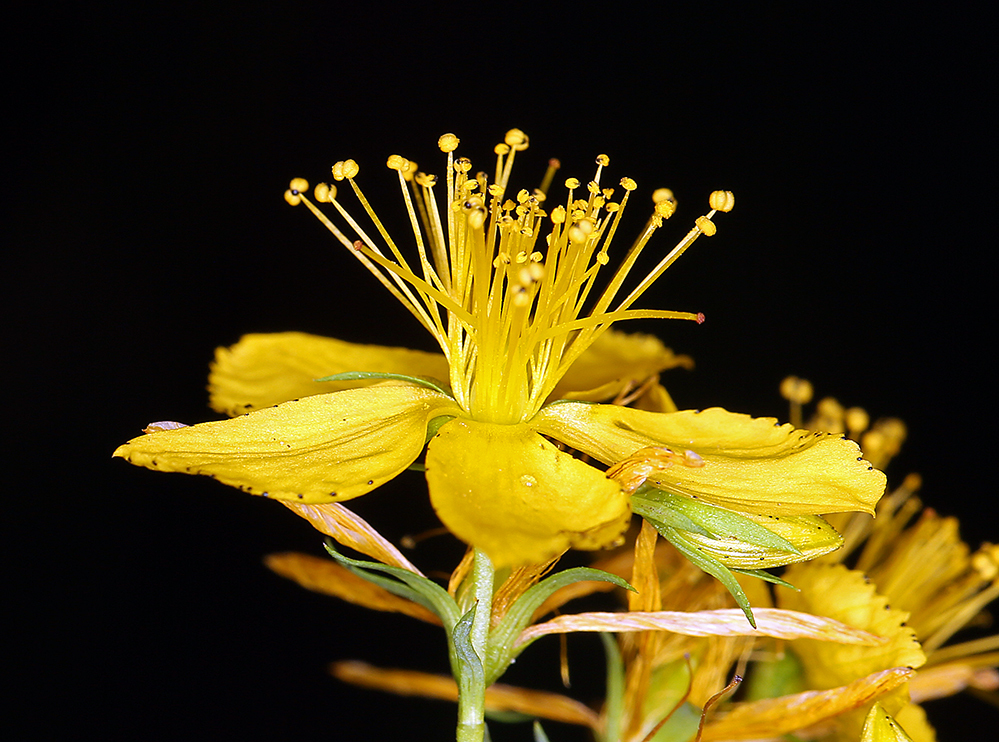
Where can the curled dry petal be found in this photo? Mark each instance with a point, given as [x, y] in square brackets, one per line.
[773, 717]
[328, 577]
[350, 529]
[499, 697]
[781, 624]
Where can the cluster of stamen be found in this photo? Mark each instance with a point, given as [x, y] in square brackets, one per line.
[511, 311]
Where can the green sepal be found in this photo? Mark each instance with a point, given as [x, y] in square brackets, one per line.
[706, 563]
[501, 640]
[765, 576]
[614, 705]
[365, 375]
[710, 520]
[406, 585]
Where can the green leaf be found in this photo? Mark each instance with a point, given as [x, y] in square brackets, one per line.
[364, 375]
[765, 576]
[406, 585]
[708, 564]
[501, 640]
[468, 667]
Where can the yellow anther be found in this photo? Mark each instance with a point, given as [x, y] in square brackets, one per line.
[602, 258]
[397, 162]
[501, 149]
[603, 160]
[523, 195]
[593, 187]
[298, 185]
[572, 183]
[325, 192]
[448, 143]
[612, 207]
[425, 180]
[517, 139]
[663, 194]
[495, 190]
[558, 215]
[345, 169]
[537, 272]
[913, 482]
[665, 209]
[462, 165]
[857, 420]
[704, 224]
[722, 200]
[292, 197]
[796, 390]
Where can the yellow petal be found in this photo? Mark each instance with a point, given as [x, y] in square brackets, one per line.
[508, 491]
[846, 595]
[750, 464]
[265, 369]
[614, 361]
[318, 449]
[880, 727]
[328, 577]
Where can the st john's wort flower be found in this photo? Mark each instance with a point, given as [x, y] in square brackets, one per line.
[506, 285]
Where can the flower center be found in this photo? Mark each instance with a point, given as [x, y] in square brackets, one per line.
[505, 287]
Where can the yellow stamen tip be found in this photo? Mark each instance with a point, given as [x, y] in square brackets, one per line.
[796, 390]
[722, 200]
[663, 194]
[448, 143]
[628, 184]
[704, 224]
[572, 183]
[517, 139]
[665, 209]
[398, 162]
[298, 185]
[325, 193]
[603, 160]
[345, 169]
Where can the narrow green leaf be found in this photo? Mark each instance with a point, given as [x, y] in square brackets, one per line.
[468, 669]
[708, 564]
[765, 576]
[406, 585]
[501, 640]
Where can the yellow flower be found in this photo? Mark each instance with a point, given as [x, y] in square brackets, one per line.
[506, 286]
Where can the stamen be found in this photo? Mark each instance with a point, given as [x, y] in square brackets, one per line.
[510, 318]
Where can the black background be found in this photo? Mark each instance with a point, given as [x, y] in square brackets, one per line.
[144, 180]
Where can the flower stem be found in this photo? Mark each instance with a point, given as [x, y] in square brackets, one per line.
[472, 694]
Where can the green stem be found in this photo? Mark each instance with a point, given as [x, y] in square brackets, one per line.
[472, 695]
